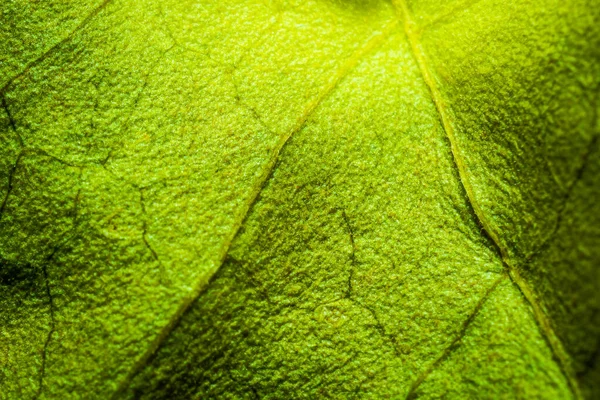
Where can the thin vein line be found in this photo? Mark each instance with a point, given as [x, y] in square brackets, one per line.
[55, 47]
[412, 393]
[349, 290]
[446, 16]
[52, 325]
[376, 40]
[11, 121]
[543, 322]
[10, 184]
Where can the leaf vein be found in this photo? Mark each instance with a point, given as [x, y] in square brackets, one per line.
[373, 42]
[56, 46]
[412, 393]
[542, 320]
[52, 324]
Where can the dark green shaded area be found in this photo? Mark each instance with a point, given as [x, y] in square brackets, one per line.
[565, 272]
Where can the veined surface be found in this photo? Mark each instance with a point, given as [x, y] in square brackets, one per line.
[279, 199]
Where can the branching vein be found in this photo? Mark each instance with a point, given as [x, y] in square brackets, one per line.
[542, 320]
[376, 40]
[349, 289]
[42, 374]
[11, 175]
[412, 393]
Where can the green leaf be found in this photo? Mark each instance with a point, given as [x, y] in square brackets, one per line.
[299, 199]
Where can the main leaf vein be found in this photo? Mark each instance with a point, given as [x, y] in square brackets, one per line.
[560, 355]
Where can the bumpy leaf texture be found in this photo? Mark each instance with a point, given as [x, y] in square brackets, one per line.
[289, 199]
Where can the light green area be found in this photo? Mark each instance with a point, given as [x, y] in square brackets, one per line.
[355, 201]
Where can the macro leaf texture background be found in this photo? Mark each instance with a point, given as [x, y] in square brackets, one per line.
[286, 199]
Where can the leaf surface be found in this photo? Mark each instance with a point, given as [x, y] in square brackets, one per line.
[244, 199]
